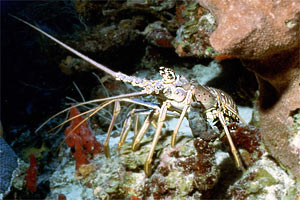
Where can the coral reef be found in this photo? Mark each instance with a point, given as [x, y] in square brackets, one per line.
[192, 169]
[191, 164]
[137, 37]
[158, 35]
[198, 125]
[89, 10]
[143, 25]
[196, 25]
[189, 170]
[265, 35]
[264, 181]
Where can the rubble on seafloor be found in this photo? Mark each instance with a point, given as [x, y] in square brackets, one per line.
[194, 169]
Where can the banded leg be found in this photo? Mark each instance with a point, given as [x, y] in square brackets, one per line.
[126, 128]
[127, 123]
[187, 103]
[142, 131]
[232, 146]
[136, 126]
[161, 119]
[116, 112]
[223, 122]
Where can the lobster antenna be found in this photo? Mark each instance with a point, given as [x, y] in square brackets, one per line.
[87, 59]
[134, 94]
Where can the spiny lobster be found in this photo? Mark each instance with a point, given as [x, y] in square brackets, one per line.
[176, 94]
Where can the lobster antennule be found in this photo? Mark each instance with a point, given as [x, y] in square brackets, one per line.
[87, 59]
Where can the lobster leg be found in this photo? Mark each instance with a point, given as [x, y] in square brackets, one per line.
[187, 103]
[136, 126]
[223, 122]
[127, 123]
[116, 112]
[140, 134]
[142, 131]
[235, 113]
[126, 128]
[161, 119]
[232, 146]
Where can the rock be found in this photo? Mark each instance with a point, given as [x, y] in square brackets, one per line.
[8, 165]
[254, 29]
[187, 171]
[196, 24]
[12, 170]
[264, 180]
[155, 5]
[265, 35]
[158, 35]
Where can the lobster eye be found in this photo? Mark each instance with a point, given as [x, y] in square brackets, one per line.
[168, 75]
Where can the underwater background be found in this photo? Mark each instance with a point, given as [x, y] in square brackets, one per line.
[248, 50]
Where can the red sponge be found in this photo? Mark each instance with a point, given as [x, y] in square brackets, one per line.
[81, 140]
